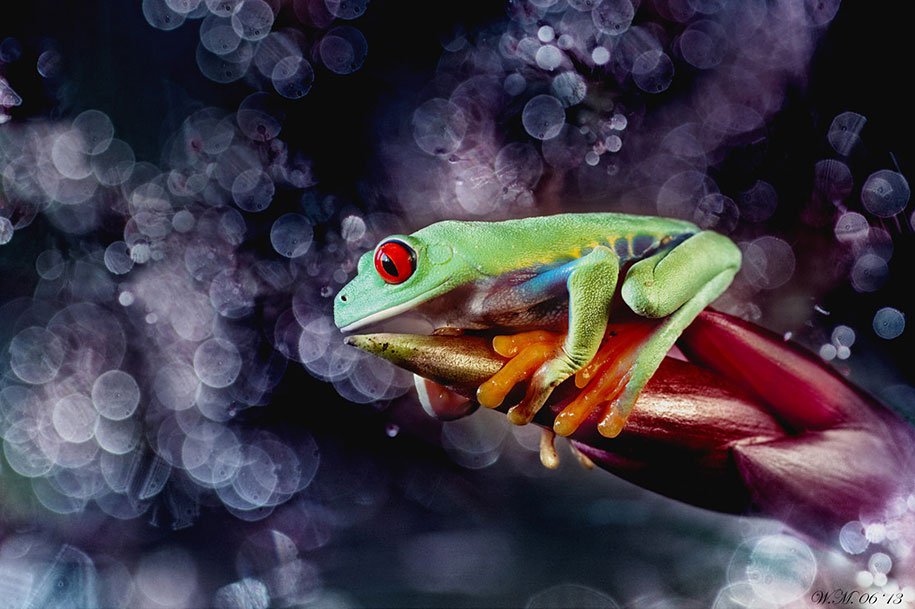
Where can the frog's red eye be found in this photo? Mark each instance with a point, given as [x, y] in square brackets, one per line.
[395, 261]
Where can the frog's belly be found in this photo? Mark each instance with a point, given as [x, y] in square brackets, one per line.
[491, 305]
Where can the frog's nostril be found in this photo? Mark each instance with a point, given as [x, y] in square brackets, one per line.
[343, 297]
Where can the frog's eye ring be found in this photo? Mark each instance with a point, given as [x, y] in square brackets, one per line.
[395, 261]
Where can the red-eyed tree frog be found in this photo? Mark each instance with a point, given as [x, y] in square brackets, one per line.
[558, 271]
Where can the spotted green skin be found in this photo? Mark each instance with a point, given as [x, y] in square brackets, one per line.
[510, 273]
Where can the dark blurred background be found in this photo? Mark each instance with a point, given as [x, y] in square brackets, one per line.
[413, 510]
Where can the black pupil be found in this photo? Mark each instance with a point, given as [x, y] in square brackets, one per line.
[389, 265]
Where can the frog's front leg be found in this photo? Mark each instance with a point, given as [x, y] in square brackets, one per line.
[591, 283]
[676, 284]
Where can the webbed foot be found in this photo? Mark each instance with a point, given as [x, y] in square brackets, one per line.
[604, 380]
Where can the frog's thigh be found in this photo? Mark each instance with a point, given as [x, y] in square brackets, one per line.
[660, 284]
[655, 348]
[678, 283]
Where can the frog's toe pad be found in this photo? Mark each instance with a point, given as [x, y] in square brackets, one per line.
[613, 421]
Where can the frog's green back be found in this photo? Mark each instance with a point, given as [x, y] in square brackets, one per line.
[498, 247]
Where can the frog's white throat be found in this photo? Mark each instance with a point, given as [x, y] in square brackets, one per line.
[386, 313]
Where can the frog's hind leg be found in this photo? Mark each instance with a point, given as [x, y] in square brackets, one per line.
[676, 284]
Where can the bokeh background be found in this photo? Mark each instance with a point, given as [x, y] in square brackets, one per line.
[186, 184]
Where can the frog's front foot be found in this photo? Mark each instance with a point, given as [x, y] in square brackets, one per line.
[548, 376]
[532, 357]
[537, 357]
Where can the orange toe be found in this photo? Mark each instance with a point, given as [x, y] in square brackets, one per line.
[511, 345]
[519, 368]
[613, 421]
[611, 381]
[619, 340]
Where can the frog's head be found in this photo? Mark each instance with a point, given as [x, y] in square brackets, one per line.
[403, 271]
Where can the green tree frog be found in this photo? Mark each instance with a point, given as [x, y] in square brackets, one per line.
[559, 271]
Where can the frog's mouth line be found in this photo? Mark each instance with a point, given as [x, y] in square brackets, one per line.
[393, 311]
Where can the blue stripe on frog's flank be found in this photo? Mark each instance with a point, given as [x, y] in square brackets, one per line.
[549, 279]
